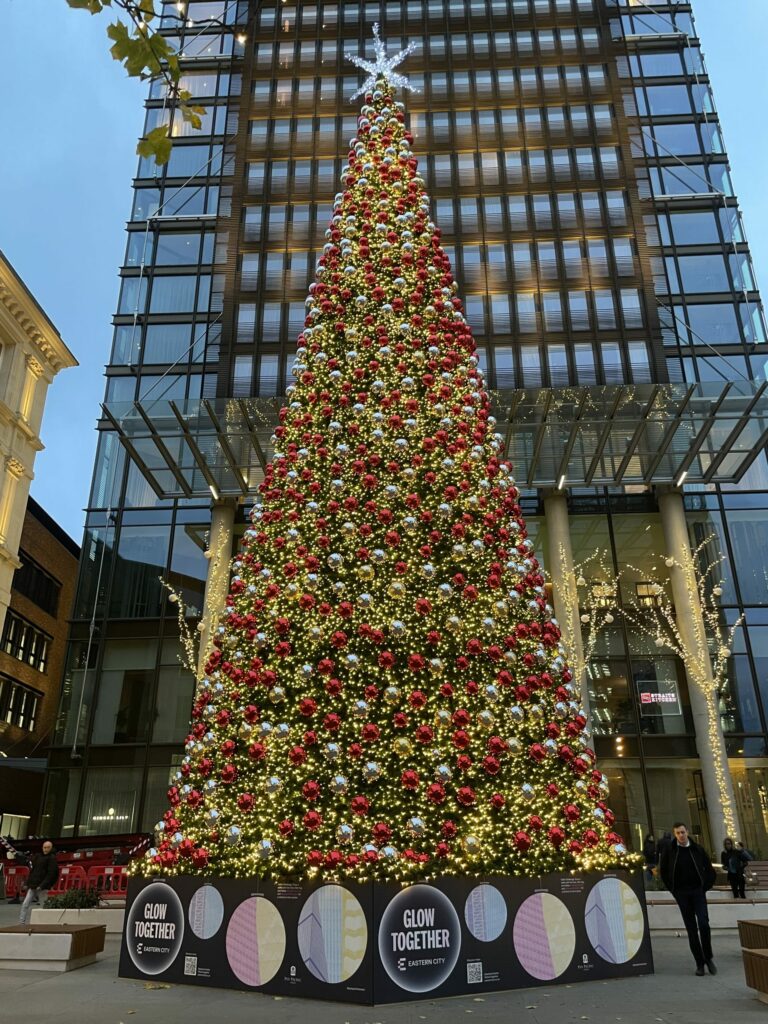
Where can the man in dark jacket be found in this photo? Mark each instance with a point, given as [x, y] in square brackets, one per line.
[687, 872]
[42, 875]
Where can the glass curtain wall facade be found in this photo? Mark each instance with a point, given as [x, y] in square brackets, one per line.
[576, 164]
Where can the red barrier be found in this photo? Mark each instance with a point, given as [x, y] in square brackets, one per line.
[70, 877]
[110, 883]
[15, 879]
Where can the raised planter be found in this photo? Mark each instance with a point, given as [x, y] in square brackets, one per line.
[724, 914]
[50, 947]
[111, 917]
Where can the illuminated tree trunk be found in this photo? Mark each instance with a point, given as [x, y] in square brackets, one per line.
[710, 743]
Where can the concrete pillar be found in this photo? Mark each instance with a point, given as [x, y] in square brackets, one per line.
[716, 776]
[564, 591]
[219, 555]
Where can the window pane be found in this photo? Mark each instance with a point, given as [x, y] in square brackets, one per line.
[703, 273]
[142, 555]
[177, 249]
[697, 228]
[125, 684]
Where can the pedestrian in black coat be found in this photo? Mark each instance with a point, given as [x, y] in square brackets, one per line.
[687, 872]
[42, 875]
[734, 862]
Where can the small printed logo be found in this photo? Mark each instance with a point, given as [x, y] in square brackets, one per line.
[401, 964]
[293, 971]
[139, 948]
[584, 958]
[190, 966]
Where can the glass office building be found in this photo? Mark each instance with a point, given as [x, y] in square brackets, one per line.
[577, 168]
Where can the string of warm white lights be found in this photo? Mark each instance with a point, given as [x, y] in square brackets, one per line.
[705, 655]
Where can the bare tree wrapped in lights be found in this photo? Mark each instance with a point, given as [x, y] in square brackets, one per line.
[705, 656]
[592, 602]
[194, 649]
[386, 695]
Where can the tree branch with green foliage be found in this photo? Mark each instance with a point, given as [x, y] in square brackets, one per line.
[146, 54]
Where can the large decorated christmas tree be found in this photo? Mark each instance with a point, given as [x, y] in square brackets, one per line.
[386, 695]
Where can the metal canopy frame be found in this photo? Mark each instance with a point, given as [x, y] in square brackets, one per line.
[595, 436]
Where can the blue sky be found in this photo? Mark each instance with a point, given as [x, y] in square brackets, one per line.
[67, 159]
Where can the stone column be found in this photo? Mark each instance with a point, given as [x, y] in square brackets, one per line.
[564, 591]
[716, 776]
[219, 555]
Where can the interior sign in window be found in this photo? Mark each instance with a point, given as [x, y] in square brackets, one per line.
[658, 697]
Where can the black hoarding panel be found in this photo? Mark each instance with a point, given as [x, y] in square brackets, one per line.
[381, 942]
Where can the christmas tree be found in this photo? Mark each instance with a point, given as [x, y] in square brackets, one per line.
[386, 695]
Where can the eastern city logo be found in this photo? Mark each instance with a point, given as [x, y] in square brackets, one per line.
[154, 928]
[419, 938]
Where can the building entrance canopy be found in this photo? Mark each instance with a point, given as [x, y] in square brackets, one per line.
[596, 436]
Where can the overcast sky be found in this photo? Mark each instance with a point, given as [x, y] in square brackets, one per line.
[70, 122]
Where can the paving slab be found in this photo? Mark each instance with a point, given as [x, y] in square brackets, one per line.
[674, 995]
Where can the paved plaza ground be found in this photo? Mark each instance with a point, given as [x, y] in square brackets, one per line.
[674, 995]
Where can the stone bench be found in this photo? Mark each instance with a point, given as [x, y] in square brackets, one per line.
[50, 947]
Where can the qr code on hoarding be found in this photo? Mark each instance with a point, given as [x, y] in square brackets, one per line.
[475, 972]
[190, 965]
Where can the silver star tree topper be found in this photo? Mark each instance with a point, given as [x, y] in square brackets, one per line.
[383, 66]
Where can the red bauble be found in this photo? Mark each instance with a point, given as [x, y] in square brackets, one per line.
[435, 793]
[571, 812]
[245, 802]
[314, 858]
[537, 752]
[285, 828]
[410, 779]
[556, 836]
[424, 734]
[466, 796]
[200, 857]
[381, 833]
[359, 805]
[310, 790]
[312, 820]
[522, 841]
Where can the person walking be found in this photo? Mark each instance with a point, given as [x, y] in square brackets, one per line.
[687, 872]
[651, 856]
[667, 839]
[42, 875]
[734, 861]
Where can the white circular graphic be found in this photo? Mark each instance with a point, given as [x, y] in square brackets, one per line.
[614, 920]
[419, 938]
[154, 928]
[485, 912]
[255, 941]
[332, 934]
[544, 936]
[206, 912]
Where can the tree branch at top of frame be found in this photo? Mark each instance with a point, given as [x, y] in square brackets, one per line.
[147, 54]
